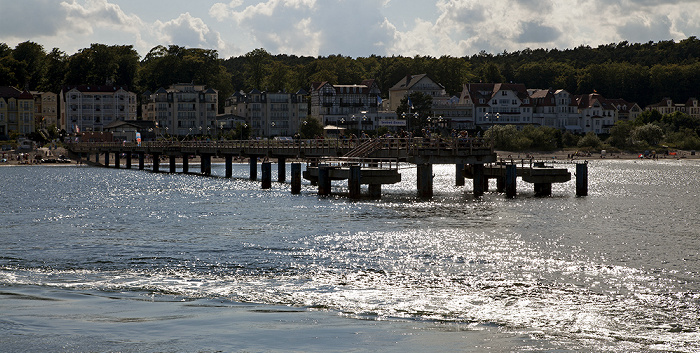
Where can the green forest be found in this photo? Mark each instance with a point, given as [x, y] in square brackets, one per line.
[643, 73]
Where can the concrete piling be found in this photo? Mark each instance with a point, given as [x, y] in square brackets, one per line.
[296, 178]
[511, 180]
[582, 179]
[459, 174]
[354, 182]
[478, 172]
[266, 169]
[281, 169]
[425, 180]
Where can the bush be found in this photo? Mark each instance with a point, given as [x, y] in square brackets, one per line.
[590, 141]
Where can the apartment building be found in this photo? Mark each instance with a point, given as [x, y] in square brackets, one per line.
[46, 109]
[337, 104]
[666, 106]
[417, 83]
[182, 109]
[269, 113]
[16, 111]
[92, 108]
[500, 104]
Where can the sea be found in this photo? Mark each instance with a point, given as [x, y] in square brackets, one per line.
[114, 260]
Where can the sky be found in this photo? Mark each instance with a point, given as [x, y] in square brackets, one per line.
[355, 28]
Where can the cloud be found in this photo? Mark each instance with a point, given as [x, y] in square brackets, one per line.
[45, 18]
[188, 31]
[310, 27]
[537, 33]
[97, 13]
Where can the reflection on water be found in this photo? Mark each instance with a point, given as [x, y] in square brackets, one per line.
[616, 270]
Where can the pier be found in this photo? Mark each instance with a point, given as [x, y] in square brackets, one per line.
[373, 162]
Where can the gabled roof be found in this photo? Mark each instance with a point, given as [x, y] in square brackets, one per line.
[11, 92]
[411, 80]
[487, 91]
[210, 91]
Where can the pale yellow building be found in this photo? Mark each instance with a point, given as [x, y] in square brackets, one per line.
[16, 111]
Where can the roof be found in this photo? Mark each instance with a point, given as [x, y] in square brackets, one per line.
[11, 92]
[487, 91]
[95, 88]
[411, 80]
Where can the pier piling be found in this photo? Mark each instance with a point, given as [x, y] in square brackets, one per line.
[511, 180]
[266, 169]
[296, 178]
[582, 179]
[354, 182]
[478, 171]
[425, 180]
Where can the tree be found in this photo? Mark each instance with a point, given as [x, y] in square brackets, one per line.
[310, 128]
[590, 141]
[34, 56]
[620, 134]
[649, 134]
[417, 112]
[256, 65]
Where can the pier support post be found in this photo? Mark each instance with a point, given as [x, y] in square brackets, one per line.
[142, 165]
[459, 174]
[156, 162]
[354, 182]
[205, 166]
[173, 165]
[478, 174]
[582, 179]
[511, 180]
[117, 160]
[281, 169]
[266, 169]
[501, 184]
[107, 159]
[543, 189]
[253, 161]
[128, 160]
[324, 180]
[375, 191]
[425, 180]
[185, 163]
[229, 165]
[296, 178]
[97, 157]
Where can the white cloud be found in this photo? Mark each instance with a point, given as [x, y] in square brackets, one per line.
[188, 31]
[97, 13]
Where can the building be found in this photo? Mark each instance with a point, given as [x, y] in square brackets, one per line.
[500, 104]
[627, 111]
[337, 104]
[456, 113]
[92, 108]
[16, 111]
[666, 106]
[183, 109]
[46, 109]
[416, 83]
[597, 113]
[269, 113]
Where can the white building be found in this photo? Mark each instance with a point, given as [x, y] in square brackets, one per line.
[335, 104]
[269, 113]
[183, 109]
[500, 104]
[91, 108]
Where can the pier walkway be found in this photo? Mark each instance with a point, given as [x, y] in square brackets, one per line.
[372, 162]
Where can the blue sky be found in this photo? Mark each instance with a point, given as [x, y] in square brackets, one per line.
[348, 27]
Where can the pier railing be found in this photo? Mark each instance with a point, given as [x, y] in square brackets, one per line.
[406, 146]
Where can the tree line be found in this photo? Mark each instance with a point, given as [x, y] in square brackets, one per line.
[643, 73]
